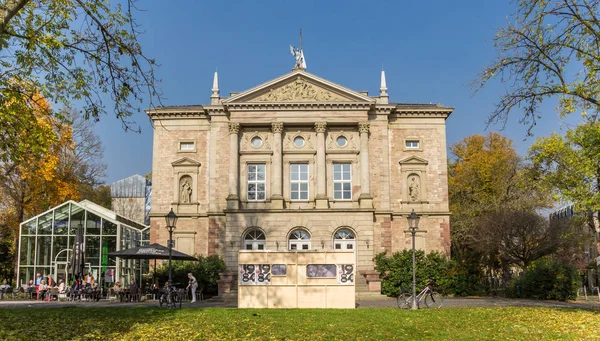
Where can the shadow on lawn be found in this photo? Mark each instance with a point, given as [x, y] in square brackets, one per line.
[72, 323]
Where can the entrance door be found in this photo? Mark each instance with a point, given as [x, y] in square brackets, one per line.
[344, 240]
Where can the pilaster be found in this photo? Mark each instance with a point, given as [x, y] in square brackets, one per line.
[234, 156]
[277, 169]
[321, 200]
[365, 199]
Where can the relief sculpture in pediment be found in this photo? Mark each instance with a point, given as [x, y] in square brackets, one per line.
[299, 91]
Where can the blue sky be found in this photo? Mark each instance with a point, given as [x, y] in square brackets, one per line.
[430, 50]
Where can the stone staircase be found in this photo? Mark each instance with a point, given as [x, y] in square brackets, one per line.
[228, 297]
[360, 284]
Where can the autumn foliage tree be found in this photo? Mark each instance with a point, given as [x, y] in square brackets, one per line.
[486, 175]
[32, 177]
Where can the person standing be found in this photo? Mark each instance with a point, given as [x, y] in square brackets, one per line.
[193, 285]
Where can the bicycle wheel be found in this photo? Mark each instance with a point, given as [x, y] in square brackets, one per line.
[433, 300]
[178, 300]
[404, 300]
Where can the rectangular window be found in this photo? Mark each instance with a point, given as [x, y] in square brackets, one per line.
[256, 182]
[412, 144]
[299, 181]
[186, 146]
[342, 181]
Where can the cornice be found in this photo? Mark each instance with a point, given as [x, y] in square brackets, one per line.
[157, 115]
[444, 113]
[295, 106]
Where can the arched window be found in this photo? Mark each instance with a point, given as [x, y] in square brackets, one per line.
[299, 240]
[344, 239]
[255, 239]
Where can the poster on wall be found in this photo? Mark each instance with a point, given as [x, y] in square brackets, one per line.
[253, 274]
[320, 271]
[279, 270]
[345, 274]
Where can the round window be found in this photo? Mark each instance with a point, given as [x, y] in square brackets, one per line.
[341, 141]
[256, 142]
[299, 141]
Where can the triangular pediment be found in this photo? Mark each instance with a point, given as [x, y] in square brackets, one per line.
[185, 162]
[413, 160]
[297, 87]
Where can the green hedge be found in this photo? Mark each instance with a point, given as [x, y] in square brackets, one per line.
[546, 279]
[396, 271]
[206, 270]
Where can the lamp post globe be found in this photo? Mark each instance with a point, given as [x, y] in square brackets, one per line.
[171, 220]
[413, 225]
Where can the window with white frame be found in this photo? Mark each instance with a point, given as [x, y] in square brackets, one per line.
[342, 181]
[299, 181]
[254, 240]
[412, 144]
[256, 181]
[299, 240]
[186, 146]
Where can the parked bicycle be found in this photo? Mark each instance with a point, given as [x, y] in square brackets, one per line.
[170, 297]
[432, 299]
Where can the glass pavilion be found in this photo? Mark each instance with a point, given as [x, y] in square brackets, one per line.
[46, 243]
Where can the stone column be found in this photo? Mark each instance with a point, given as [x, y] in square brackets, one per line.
[321, 200]
[233, 198]
[277, 170]
[365, 199]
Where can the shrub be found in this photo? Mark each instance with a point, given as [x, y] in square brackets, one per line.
[206, 270]
[546, 279]
[396, 271]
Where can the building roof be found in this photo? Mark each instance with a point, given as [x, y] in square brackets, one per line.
[97, 210]
[310, 88]
[134, 186]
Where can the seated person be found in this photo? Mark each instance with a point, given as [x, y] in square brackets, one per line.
[88, 278]
[118, 287]
[3, 288]
[42, 290]
[94, 285]
[30, 288]
[62, 288]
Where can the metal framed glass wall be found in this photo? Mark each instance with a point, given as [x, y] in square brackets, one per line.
[46, 243]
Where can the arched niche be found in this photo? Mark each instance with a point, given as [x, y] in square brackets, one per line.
[185, 185]
[413, 172]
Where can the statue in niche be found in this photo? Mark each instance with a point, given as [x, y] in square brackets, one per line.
[186, 190]
[413, 188]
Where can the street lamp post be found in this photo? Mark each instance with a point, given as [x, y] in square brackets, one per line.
[171, 219]
[413, 225]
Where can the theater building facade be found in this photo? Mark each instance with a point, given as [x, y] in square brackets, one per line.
[300, 163]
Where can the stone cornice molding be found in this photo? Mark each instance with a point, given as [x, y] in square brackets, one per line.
[295, 106]
[176, 115]
[424, 112]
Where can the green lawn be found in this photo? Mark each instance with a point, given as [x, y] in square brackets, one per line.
[141, 323]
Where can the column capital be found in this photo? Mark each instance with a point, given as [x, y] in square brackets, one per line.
[320, 127]
[363, 127]
[277, 127]
[234, 128]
